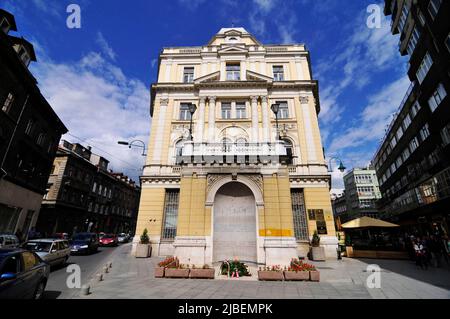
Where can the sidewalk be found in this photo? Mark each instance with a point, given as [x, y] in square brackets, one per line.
[132, 278]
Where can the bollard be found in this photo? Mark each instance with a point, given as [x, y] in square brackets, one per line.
[85, 290]
[105, 269]
[99, 277]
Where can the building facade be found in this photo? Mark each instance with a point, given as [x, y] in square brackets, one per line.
[83, 195]
[234, 186]
[361, 194]
[413, 162]
[29, 133]
[339, 206]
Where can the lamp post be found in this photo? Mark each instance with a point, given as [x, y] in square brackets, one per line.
[192, 109]
[132, 143]
[275, 109]
[341, 167]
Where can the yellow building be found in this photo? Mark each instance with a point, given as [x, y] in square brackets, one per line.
[235, 187]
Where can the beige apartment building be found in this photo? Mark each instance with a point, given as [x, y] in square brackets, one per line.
[245, 182]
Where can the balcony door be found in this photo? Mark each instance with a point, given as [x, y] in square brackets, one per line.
[234, 223]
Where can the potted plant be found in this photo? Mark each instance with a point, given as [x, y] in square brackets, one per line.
[205, 272]
[144, 249]
[314, 274]
[159, 270]
[180, 271]
[234, 268]
[296, 271]
[317, 252]
[274, 273]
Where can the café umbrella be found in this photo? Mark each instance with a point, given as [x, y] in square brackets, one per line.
[367, 222]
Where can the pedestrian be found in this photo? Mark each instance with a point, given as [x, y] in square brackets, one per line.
[421, 259]
[435, 250]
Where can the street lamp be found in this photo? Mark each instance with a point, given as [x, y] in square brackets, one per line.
[192, 109]
[341, 167]
[275, 109]
[132, 143]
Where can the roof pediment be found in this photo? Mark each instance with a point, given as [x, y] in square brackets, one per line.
[233, 49]
[215, 76]
[258, 77]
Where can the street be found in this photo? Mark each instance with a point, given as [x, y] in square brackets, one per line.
[89, 264]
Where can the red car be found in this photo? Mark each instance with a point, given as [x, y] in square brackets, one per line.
[109, 240]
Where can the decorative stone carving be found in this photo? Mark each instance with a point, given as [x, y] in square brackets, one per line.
[164, 102]
[304, 99]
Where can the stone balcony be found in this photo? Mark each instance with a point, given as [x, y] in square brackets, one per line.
[227, 153]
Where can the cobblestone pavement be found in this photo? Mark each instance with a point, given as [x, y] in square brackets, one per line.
[132, 278]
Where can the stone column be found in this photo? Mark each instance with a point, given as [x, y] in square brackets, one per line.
[266, 119]
[255, 127]
[212, 120]
[200, 121]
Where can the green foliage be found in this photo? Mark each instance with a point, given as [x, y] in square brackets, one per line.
[144, 237]
[315, 242]
[234, 266]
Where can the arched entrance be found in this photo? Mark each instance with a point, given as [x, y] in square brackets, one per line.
[234, 223]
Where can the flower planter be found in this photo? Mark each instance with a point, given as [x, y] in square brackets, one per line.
[159, 272]
[143, 250]
[270, 275]
[314, 275]
[176, 273]
[318, 253]
[201, 273]
[296, 275]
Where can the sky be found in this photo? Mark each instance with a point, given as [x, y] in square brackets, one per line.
[97, 77]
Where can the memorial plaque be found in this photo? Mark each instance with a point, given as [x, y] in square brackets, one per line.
[234, 223]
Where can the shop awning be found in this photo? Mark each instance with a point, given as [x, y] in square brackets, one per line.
[367, 222]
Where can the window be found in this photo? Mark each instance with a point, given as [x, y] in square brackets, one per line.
[424, 132]
[415, 109]
[241, 110]
[278, 73]
[406, 122]
[398, 161]
[94, 187]
[24, 56]
[445, 134]
[30, 127]
[433, 7]
[413, 145]
[299, 214]
[7, 104]
[188, 75]
[4, 25]
[170, 214]
[41, 139]
[226, 111]
[447, 42]
[415, 35]
[233, 71]
[29, 260]
[424, 67]
[283, 112]
[405, 154]
[185, 113]
[399, 133]
[437, 97]
[403, 17]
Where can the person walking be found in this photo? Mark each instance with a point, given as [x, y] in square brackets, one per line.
[421, 259]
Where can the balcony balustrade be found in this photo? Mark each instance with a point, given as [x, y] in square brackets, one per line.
[241, 153]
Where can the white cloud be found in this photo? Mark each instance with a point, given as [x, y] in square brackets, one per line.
[100, 105]
[265, 5]
[105, 47]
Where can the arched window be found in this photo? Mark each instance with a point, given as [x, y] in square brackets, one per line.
[226, 145]
[289, 151]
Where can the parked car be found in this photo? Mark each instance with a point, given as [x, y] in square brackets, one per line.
[109, 240]
[23, 274]
[9, 241]
[84, 243]
[123, 238]
[52, 251]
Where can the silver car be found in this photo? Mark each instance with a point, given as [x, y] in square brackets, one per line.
[9, 241]
[52, 251]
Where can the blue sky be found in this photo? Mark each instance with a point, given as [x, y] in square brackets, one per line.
[97, 77]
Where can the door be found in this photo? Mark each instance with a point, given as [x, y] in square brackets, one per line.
[234, 224]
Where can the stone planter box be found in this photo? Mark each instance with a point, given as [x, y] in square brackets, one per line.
[176, 273]
[314, 275]
[270, 275]
[318, 253]
[202, 273]
[143, 250]
[159, 272]
[296, 276]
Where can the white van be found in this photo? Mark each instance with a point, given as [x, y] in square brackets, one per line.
[9, 241]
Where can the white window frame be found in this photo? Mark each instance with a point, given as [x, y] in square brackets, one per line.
[283, 112]
[425, 132]
[432, 5]
[188, 77]
[185, 113]
[424, 68]
[278, 75]
[5, 25]
[7, 104]
[234, 74]
[241, 110]
[225, 110]
[437, 97]
[413, 39]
